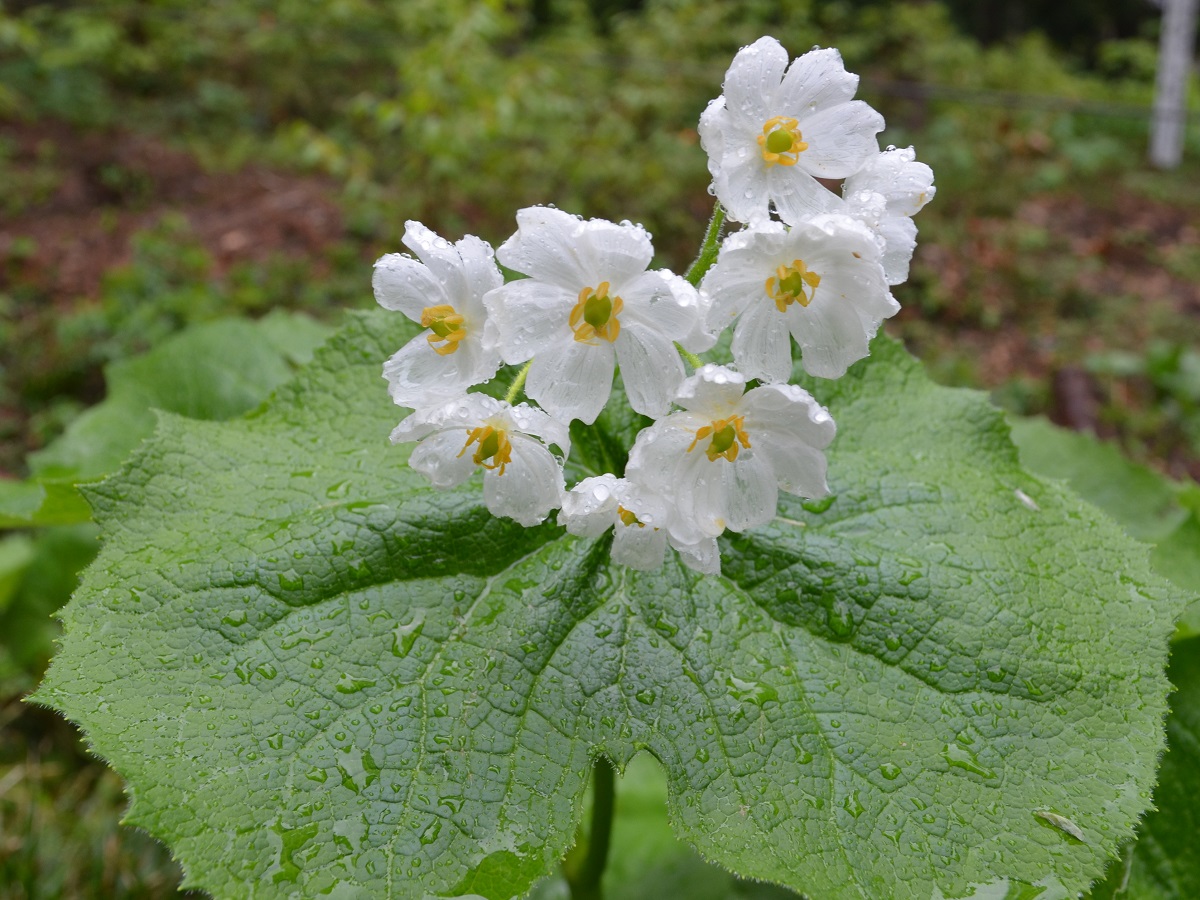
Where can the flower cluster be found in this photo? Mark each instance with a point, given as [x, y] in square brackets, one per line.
[809, 265]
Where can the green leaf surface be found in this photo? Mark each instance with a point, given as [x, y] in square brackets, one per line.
[212, 371]
[320, 676]
[1164, 863]
[1143, 501]
[1149, 506]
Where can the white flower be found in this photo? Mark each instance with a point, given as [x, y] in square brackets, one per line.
[885, 194]
[822, 281]
[444, 292]
[723, 460]
[588, 304]
[521, 480]
[637, 516]
[773, 133]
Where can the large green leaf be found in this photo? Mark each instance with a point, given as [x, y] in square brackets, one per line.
[318, 675]
[214, 371]
[1164, 864]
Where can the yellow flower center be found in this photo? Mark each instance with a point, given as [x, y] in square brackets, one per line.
[595, 315]
[726, 436]
[793, 284]
[494, 450]
[781, 141]
[629, 518]
[446, 327]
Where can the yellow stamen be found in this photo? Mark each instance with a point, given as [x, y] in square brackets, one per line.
[493, 446]
[727, 435]
[789, 283]
[445, 324]
[629, 518]
[595, 315]
[781, 141]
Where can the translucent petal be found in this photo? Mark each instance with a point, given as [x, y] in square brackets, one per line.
[748, 488]
[701, 555]
[714, 122]
[403, 284]
[531, 486]
[899, 235]
[441, 258]
[753, 79]
[550, 430]
[639, 546]
[762, 345]
[840, 139]
[907, 185]
[650, 367]
[418, 376]
[529, 317]
[480, 271]
[712, 390]
[437, 458]
[830, 333]
[663, 302]
[618, 254]
[572, 380]
[544, 248]
[590, 508]
[797, 195]
[813, 82]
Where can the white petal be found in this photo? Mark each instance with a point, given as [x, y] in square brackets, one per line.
[531, 486]
[573, 379]
[441, 459]
[790, 429]
[899, 235]
[702, 555]
[614, 253]
[740, 273]
[713, 391]
[797, 195]
[830, 334]
[418, 376]
[403, 284]
[528, 317]
[650, 367]
[440, 256]
[906, 184]
[762, 346]
[662, 301]
[753, 79]
[714, 122]
[544, 248]
[480, 271]
[742, 183]
[639, 546]
[750, 494]
[590, 508]
[813, 82]
[840, 139]
[550, 430]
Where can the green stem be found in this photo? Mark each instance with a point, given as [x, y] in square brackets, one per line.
[709, 248]
[518, 383]
[584, 879]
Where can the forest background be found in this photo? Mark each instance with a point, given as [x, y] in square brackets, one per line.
[193, 194]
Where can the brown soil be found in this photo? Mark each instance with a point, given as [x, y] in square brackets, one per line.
[110, 186]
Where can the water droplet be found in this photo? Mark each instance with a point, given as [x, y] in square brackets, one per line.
[291, 580]
[646, 695]
[818, 506]
[701, 754]
[751, 691]
[318, 775]
[266, 670]
[890, 771]
[852, 805]
[840, 620]
[961, 758]
[430, 834]
[348, 684]
[275, 742]
[235, 618]
[404, 636]
[892, 641]
[995, 674]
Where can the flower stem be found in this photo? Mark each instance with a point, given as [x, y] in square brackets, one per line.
[710, 246]
[518, 383]
[584, 878]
